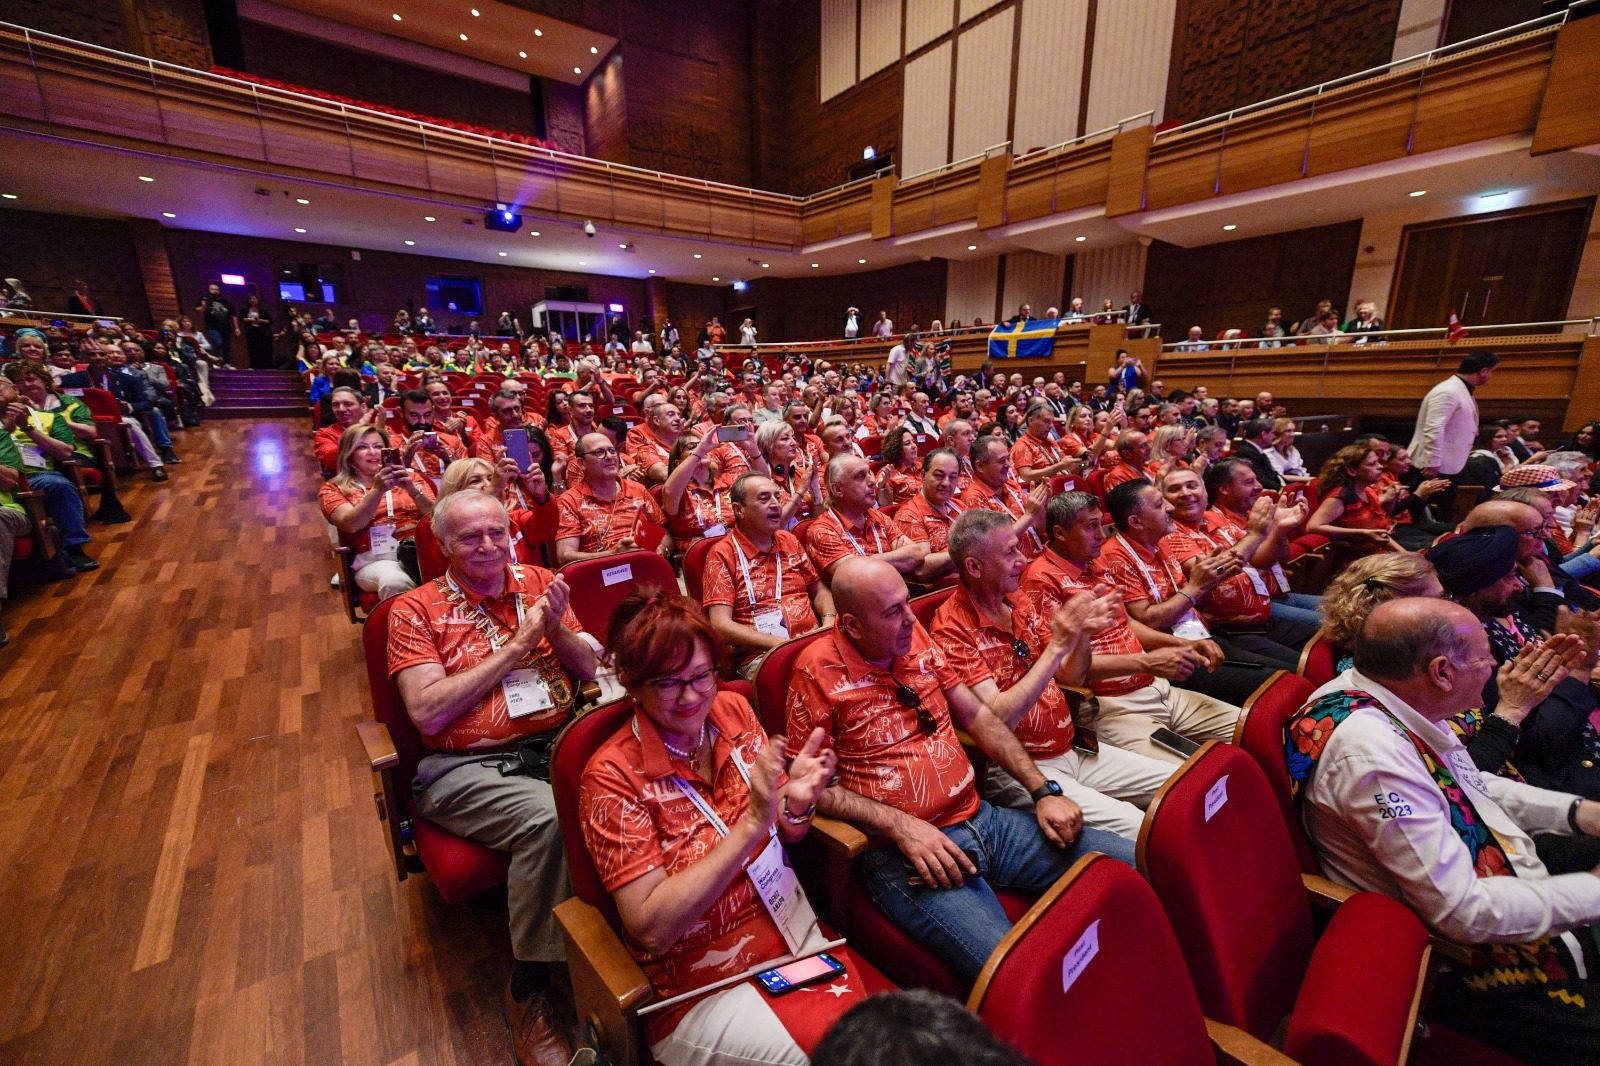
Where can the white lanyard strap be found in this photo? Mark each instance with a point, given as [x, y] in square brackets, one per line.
[749, 586]
[694, 797]
[876, 539]
[1149, 578]
[388, 501]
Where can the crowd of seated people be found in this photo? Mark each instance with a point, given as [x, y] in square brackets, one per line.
[141, 384]
[1102, 595]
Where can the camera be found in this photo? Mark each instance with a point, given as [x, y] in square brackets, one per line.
[588, 229]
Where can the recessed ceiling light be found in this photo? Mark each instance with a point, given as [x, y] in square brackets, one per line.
[765, 266]
[524, 55]
[504, 254]
[8, 195]
[168, 214]
[697, 255]
[474, 12]
[861, 261]
[301, 200]
[815, 265]
[463, 36]
[583, 262]
[1080, 240]
[577, 70]
[652, 271]
[1230, 227]
[593, 50]
[411, 244]
[395, 17]
[538, 33]
[716, 279]
[429, 218]
[1419, 192]
[144, 178]
[533, 233]
[299, 229]
[623, 246]
[972, 247]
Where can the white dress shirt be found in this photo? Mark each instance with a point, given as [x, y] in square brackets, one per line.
[1447, 424]
[1379, 823]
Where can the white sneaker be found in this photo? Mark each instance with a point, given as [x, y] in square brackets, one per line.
[335, 582]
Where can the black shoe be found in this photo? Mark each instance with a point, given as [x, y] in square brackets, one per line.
[5, 638]
[79, 561]
[170, 456]
[158, 473]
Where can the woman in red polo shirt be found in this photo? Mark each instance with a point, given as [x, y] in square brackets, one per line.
[374, 506]
[680, 810]
[1353, 512]
[695, 507]
[901, 476]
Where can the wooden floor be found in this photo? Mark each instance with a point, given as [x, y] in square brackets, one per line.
[191, 867]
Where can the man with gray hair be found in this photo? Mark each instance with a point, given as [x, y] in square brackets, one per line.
[488, 659]
[853, 527]
[1393, 803]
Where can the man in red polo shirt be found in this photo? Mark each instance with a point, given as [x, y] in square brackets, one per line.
[1038, 456]
[445, 420]
[603, 514]
[564, 439]
[650, 445]
[1233, 489]
[852, 527]
[734, 457]
[996, 639]
[993, 488]
[1132, 666]
[428, 450]
[1133, 454]
[891, 701]
[488, 659]
[958, 435]
[760, 587]
[348, 409]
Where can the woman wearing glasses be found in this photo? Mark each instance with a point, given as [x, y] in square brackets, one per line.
[681, 811]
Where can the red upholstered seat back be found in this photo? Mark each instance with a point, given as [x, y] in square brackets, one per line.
[924, 607]
[574, 747]
[430, 556]
[1259, 734]
[387, 706]
[1318, 662]
[1129, 998]
[694, 566]
[772, 681]
[1219, 857]
[594, 600]
[102, 405]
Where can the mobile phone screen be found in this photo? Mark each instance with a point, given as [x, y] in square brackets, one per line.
[391, 457]
[1179, 745]
[727, 434]
[516, 442]
[804, 970]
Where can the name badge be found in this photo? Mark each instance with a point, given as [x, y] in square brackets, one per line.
[32, 455]
[1190, 627]
[715, 531]
[1257, 582]
[775, 882]
[772, 623]
[384, 543]
[525, 692]
[1283, 579]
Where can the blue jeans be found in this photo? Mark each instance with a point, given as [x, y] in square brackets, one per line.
[1298, 607]
[62, 502]
[158, 427]
[962, 926]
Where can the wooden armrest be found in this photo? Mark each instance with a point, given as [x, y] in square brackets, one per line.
[1237, 1046]
[378, 744]
[839, 836]
[1326, 893]
[607, 984]
[1449, 949]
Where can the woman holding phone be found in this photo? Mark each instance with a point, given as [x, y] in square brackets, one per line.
[525, 522]
[680, 811]
[798, 484]
[695, 508]
[375, 502]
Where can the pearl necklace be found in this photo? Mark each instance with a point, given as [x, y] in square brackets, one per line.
[691, 756]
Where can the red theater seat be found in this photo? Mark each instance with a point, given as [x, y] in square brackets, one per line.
[598, 585]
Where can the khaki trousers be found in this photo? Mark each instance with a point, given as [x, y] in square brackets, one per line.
[1128, 720]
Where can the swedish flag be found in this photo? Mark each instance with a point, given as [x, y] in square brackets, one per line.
[1033, 339]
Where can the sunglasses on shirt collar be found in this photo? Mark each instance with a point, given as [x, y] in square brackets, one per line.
[908, 699]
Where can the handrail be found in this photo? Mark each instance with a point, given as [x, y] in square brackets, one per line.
[64, 316]
[955, 163]
[1555, 18]
[1335, 339]
[1085, 138]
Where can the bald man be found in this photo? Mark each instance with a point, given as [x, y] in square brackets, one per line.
[891, 702]
[1393, 803]
[1539, 596]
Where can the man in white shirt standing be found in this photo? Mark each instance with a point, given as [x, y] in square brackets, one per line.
[1447, 424]
[852, 323]
[1393, 803]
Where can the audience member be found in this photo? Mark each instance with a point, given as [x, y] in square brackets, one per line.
[604, 514]
[36, 444]
[853, 527]
[993, 488]
[912, 1028]
[372, 518]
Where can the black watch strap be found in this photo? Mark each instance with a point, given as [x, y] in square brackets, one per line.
[1049, 788]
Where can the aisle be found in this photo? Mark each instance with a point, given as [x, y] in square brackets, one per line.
[191, 866]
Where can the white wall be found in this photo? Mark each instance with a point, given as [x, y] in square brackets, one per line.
[1114, 271]
[1049, 72]
[1032, 278]
[880, 35]
[928, 20]
[925, 116]
[983, 85]
[969, 289]
[1419, 26]
[1132, 54]
[838, 59]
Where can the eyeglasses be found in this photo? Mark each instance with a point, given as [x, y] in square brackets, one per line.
[673, 688]
[908, 699]
[599, 453]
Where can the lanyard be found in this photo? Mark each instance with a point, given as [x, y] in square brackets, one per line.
[876, 539]
[749, 587]
[492, 629]
[1051, 451]
[611, 514]
[1150, 578]
[694, 797]
[699, 512]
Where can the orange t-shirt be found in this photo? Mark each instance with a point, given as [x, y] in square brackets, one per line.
[903, 484]
[920, 522]
[731, 462]
[426, 626]
[1049, 581]
[980, 651]
[882, 753]
[1155, 581]
[644, 449]
[600, 525]
[1031, 453]
[699, 510]
[1011, 500]
[397, 509]
[830, 539]
[1118, 474]
[432, 466]
[1235, 601]
[724, 581]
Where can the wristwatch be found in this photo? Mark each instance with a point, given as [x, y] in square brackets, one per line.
[1049, 788]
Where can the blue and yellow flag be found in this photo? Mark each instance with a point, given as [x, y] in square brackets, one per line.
[1033, 339]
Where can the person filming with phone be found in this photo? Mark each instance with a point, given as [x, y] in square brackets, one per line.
[375, 502]
[427, 450]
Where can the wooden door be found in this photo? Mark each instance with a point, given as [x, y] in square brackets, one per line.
[1507, 267]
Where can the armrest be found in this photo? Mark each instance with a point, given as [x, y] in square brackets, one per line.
[607, 984]
[841, 837]
[1239, 1047]
[378, 745]
[1326, 893]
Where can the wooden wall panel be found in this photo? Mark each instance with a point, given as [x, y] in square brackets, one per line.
[1049, 72]
[925, 121]
[1568, 117]
[155, 269]
[1113, 271]
[838, 54]
[880, 35]
[51, 252]
[813, 308]
[605, 112]
[992, 173]
[983, 84]
[1130, 155]
[1511, 80]
[927, 20]
[971, 290]
[1231, 285]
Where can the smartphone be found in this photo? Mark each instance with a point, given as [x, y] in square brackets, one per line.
[727, 434]
[1178, 745]
[781, 980]
[391, 457]
[516, 442]
[1244, 665]
[1086, 741]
